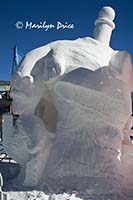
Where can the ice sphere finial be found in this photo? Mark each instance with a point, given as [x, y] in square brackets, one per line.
[104, 25]
[107, 13]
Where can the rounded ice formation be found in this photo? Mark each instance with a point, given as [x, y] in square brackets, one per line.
[106, 16]
[107, 12]
[104, 25]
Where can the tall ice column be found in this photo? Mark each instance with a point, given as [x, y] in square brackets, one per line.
[104, 25]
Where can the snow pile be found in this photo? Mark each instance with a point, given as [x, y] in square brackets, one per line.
[36, 195]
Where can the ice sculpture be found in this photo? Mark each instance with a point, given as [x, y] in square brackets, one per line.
[74, 103]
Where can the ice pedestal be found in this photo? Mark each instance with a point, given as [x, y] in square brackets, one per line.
[87, 147]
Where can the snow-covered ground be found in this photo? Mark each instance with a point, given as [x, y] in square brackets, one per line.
[38, 195]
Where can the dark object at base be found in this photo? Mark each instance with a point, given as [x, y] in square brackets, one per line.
[9, 170]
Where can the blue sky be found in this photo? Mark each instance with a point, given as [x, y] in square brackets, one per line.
[81, 13]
